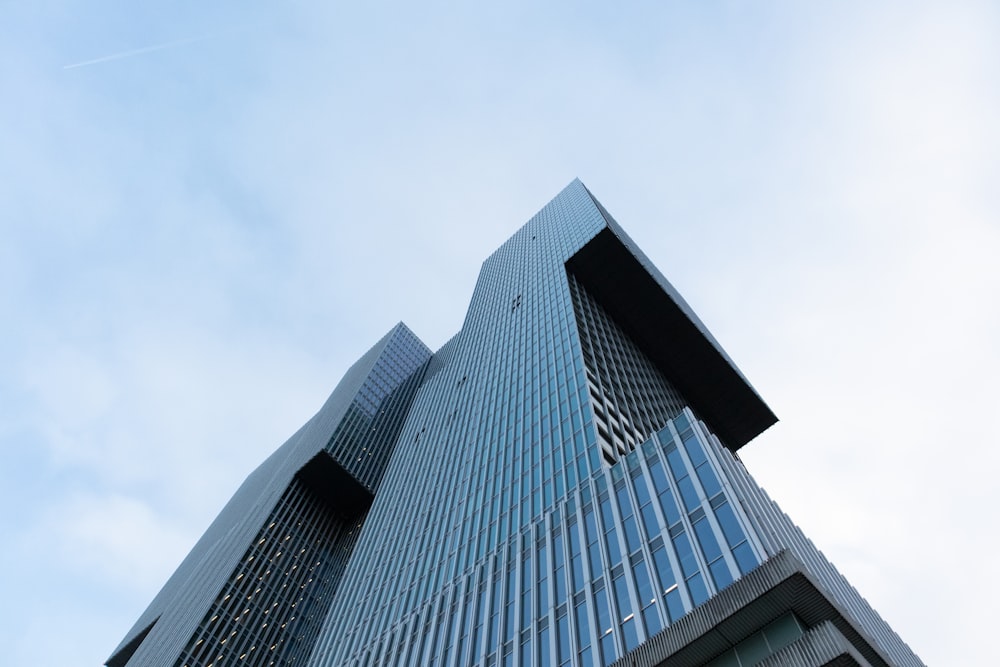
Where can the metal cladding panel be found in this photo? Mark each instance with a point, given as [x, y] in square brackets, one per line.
[821, 646]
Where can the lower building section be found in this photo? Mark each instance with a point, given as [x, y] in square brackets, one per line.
[668, 557]
[629, 552]
[272, 607]
[779, 614]
[258, 586]
[274, 601]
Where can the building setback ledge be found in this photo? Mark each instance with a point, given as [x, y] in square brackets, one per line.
[342, 493]
[778, 585]
[655, 316]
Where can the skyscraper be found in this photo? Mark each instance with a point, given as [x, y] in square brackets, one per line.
[557, 485]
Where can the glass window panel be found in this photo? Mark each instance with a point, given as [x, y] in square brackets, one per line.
[494, 633]
[563, 639]
[753, 649]
[622, 597]
[609, 652]
[641, 490]
[694, 450]
[544, 657]
[630, 634]
[745, 558]
[607, 516]
[730, 526]
[688, 493]
[669, 507]
[574, 539]
[590, 520]
[720, 574]
[510, 626]
[782, 631]
[649, 448]
[663, 570]
[595, 560]
[644, 587]
[576, 565]
[614, 551]
[709, 481]
[624, 502]
[557, 551]
[559, 579]
[526, 572]
[603, 613]
[689, 565]
[632, 534]
[543, 596]
[649, 520]
[682, 423]
[706, 538]
[582, 625]
[651, 617]
[696, 586]
[659, 477]
[676, 462]
[675, 604]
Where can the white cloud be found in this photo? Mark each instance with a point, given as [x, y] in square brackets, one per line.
[114, 541]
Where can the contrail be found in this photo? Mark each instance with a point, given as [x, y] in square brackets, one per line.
[135, 52]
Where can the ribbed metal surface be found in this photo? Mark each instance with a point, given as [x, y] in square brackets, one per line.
[780, 585]
[777, 532]
[712, 628]
[271, 608]
[819, 646]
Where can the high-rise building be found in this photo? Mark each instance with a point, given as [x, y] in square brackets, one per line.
[557, 485]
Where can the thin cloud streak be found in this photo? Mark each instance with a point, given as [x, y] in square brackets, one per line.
[149, 49]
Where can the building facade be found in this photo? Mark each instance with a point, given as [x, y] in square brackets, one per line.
[557, 485]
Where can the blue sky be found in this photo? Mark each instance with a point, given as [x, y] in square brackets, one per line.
[202, 229]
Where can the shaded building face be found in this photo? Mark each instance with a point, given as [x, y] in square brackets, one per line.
[557, 485]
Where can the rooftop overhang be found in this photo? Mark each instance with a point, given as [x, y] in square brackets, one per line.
[329, 480]
[661, 323]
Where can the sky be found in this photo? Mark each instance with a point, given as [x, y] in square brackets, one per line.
[209, 210]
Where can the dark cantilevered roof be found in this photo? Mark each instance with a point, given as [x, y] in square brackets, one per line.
[658, 319]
